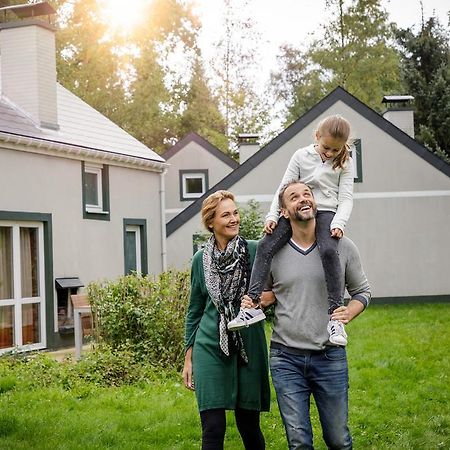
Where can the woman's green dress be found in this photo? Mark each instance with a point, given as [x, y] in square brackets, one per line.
[221, 381]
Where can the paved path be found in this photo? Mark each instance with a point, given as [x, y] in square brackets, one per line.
[63, 353]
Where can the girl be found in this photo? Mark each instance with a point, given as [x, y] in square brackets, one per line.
[328, 169]
[230, 369]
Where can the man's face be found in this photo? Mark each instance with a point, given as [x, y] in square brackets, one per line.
[299, 203]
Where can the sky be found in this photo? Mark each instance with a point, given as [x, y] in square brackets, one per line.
[293, 21]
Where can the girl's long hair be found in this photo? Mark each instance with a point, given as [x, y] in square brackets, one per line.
[338, 128]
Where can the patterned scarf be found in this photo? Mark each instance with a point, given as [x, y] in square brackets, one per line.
[226, 277]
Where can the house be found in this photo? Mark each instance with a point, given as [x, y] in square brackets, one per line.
[80, 199]
[401, 206]
[195, 166]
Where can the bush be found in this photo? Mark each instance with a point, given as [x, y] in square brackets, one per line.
[144, 316]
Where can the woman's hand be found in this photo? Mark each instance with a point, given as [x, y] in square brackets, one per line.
[187, 370]
[247, 302]
[337, 233]
[269, 226]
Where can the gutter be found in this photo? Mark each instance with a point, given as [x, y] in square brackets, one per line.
[59, 149]
[162, 204]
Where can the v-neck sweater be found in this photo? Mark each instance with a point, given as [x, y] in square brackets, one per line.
[298, 282]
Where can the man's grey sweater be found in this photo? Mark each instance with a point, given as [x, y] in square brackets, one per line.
[298, 282]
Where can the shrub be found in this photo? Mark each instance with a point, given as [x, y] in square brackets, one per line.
[143, 315]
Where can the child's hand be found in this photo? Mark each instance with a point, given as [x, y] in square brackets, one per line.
[337, 233]
[269, 226]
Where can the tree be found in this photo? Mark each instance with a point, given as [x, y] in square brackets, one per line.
[355, 52]
[235, 67]
[87, 63]
[149, 81]
[425, 68]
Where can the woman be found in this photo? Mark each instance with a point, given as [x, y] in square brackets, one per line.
[229, 368]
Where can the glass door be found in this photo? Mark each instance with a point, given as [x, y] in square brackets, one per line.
[22, 286]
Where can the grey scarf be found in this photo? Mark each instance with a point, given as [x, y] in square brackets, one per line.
[226, 277]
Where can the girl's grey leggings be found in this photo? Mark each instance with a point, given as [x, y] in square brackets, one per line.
[270, 244]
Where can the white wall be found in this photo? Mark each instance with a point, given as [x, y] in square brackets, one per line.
[192, 157]
[89, 249]
[401, 211]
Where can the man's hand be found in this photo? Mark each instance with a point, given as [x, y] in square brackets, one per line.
[345, 314]
[269, 226]
[187, 370]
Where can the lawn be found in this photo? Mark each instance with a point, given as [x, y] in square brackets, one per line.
[399, 397]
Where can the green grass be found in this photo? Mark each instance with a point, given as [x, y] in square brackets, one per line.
[399, 397]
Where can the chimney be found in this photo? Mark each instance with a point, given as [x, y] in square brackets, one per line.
[400, 112]
[28, 63]
[248, 146]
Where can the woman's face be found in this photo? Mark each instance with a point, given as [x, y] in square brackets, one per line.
[225, 224]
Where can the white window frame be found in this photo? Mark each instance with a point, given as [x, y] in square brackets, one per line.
[137, 230]
[17, 301]
[185, 177]
[97, 170]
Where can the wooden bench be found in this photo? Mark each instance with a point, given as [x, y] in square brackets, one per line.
[81, 307]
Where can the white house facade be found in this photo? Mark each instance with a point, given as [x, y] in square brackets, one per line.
[401, 206]
[80, 199]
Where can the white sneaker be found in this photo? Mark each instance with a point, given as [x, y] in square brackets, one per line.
[337, 332]
[245, 318]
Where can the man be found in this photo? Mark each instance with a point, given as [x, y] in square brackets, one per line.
[302, 360]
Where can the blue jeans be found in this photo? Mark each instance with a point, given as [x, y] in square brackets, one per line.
[324, 374]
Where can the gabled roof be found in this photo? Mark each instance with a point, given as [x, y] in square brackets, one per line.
[194, 137]
[80, 125]
[270, 148]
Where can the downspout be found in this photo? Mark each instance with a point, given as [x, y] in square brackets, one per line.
[162, 202]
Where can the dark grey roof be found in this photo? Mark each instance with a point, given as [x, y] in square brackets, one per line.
[194, 137]
[336, 95]
[79, 125]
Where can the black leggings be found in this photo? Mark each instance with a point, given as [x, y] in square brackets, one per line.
[214, 425]
[327, 245]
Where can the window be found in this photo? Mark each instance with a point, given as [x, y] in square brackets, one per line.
[355, 153]
[95, 178]
[22, 285]
[193, 184]
[135, 246]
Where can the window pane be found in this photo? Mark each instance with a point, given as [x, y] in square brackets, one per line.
[130, 252]
[29, 262]
[194, 186]
[6, 264]
[30, 323]
[6, 326]
[91, 188]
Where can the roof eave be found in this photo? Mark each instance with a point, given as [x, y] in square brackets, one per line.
[60, 149]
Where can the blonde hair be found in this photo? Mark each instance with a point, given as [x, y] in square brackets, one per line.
[210, 204]
[338, 128]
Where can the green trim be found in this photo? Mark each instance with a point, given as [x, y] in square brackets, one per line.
[105, 195]
[413, 299]
[358, 158]
[46, 219]
[142, 224]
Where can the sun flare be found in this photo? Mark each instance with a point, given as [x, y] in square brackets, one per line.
[123, 14]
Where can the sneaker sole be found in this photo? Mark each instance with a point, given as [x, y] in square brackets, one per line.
[343, 344]
[256, 319]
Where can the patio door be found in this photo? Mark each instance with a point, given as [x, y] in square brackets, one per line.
[22, 286]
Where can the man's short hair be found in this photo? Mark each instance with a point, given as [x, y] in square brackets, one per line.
[283, 190]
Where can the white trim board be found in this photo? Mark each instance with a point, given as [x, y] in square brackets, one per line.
[263, 198]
